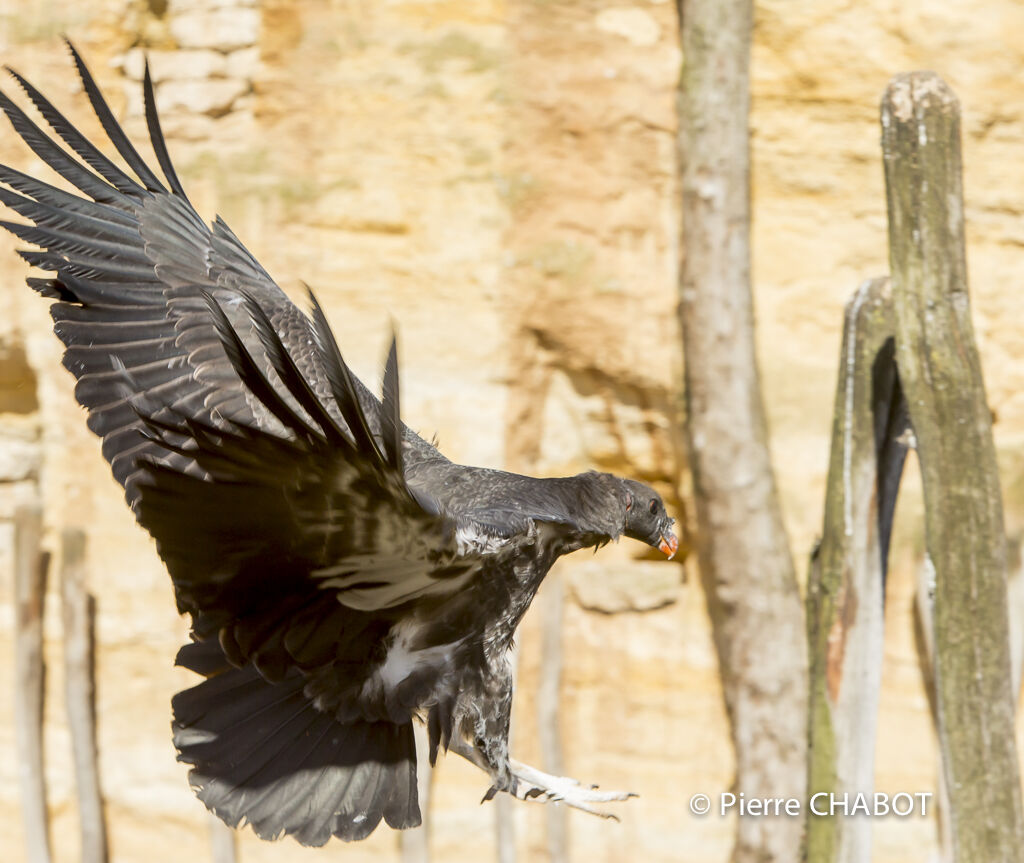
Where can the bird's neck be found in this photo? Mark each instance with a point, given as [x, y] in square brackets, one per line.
[587, 502]
[594, 496]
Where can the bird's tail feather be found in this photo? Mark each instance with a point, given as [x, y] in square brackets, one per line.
[263, 754]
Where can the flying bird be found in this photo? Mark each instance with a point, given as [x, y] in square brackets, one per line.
[343, 578]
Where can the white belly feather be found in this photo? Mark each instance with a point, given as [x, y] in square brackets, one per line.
[403, 661]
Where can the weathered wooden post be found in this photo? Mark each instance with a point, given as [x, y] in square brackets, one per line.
[549, 699]
[414, 845]
[30, 568]
[504, 814]
[223, 841]
[941, 376]
[79, 612]
[845, 589]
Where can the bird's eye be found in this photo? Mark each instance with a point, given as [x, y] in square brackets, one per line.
[653, 507]
[629, 502]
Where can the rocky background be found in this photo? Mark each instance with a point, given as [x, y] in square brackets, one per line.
[497, 179]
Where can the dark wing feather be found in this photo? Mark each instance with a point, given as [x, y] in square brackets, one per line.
[58, 218]
[112, 128]
[163, 317]
[342, 382]
[283, 363]
[252, 375]
[72, 171]
[76, 140]
[156, 136]
[391, 424]
[67, 202]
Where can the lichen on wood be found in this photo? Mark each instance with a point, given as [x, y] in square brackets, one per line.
[941, 374]
[30, 571]
[845, 591]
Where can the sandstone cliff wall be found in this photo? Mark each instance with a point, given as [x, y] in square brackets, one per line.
[497, 178]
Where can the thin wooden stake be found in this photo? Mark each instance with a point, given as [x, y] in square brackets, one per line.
[79, 613]
[223, 841]
[415, 844]
[552, 599]
[30, 568]
[504, 805]
[941, 375]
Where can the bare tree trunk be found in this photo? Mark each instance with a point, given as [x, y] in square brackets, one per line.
[30, 566]
[941, 375]
[79, 614]
[743, 552]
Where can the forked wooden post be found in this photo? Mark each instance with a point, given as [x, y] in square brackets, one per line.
[30, 567]
[941, 376]
[845, 590]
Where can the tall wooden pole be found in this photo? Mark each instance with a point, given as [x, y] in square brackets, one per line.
[223, 841]
[30, 567]
[549, 701]
[504, 811]
[414, 845]
[941, 375]
[79, 613]
[742, 547]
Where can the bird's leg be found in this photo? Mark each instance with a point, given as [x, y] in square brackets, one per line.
[529, 783]
[488, 729]
[564, 789]
[487, 726]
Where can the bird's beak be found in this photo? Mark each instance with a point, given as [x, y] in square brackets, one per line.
[668, 544]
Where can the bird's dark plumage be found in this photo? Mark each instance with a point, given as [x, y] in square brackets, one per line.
[343, 578]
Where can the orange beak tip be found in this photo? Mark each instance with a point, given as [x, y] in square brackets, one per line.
[669, 545]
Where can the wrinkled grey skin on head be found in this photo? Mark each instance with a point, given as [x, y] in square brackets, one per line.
[647, 519]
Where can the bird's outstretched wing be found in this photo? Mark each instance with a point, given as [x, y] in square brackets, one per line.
[132, 260]
[227, 414]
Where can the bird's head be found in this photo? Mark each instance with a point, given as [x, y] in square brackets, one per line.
[647, 520]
